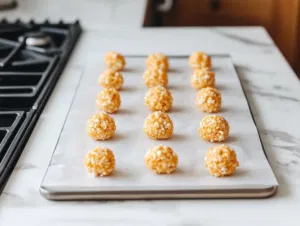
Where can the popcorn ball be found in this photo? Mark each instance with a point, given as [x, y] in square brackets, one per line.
[221, 161]
[199, 60]
[100, 161]
[161, 159]
[114, 61]
[101, 126]
[158, 98]
[202, 78]
[209, 100]
[154, 77]
[158, 61]
[158, 125]
[111, 79]
[108, 100]
[213, 128]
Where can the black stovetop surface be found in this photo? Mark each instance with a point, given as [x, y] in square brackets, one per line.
[32, 58]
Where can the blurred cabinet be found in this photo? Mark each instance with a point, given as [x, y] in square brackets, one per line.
[279, 17]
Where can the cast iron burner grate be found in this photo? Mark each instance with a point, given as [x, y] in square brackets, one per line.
[32, 57]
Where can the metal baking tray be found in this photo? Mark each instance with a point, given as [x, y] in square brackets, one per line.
[67, 178]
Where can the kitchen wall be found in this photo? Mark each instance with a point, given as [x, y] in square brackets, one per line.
[279, 17]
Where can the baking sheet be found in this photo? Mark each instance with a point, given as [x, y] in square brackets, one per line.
[67, 174]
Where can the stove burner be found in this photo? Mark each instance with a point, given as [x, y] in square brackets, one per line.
[36, 39]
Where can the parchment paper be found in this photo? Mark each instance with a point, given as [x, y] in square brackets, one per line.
[67, 171]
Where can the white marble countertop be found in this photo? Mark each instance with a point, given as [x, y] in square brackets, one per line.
[271, 86]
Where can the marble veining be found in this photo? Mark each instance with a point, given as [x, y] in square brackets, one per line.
[243, 40]
[280, 97]
[281, 91]
[245, 68]
[287, 143]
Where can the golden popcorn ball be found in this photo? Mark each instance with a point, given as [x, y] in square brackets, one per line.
[100, 161]
[214, 128]
[101, 126]
[158, 98]
[199, 60]
[158, 61]
[161, 159]
[114, 61]
[111, 79]
[221, 161]
[202, 78]
[108, 100]
[158, 125]
[209, 100]
[154, 77]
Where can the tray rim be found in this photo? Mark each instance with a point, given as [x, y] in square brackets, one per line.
[52, 194]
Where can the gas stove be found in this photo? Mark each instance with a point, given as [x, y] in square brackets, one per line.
[32, 58]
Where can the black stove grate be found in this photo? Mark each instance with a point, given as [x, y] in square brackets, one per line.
[21, 85]
[9, 123]
[28, 73]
